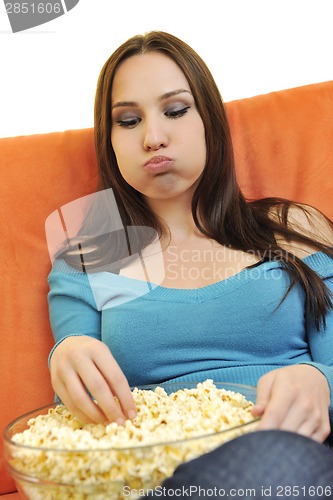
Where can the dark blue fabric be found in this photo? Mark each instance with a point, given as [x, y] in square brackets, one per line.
[265, 464]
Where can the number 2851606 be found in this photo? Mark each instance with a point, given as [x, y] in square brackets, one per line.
[33, 8]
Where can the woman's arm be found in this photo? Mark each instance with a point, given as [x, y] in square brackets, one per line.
[79, 362]
[299, 398]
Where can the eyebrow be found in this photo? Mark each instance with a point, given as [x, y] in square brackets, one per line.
[163, 97]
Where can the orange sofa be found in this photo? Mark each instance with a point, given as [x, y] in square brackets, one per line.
[283, 145]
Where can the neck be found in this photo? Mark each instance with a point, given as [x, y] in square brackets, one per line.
[175, 216]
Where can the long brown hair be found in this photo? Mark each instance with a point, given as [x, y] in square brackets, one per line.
[219, 209]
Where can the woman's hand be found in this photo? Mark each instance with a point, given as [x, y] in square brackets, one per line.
[80, 364]
[294, 398]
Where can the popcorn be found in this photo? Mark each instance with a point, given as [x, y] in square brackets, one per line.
[95, 460]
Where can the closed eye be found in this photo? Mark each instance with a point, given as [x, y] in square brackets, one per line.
[132, 122]
[129, 122]
[177, 113]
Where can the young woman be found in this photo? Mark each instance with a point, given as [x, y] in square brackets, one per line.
[246, 290]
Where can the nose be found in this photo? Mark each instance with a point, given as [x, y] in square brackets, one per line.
[155, 136]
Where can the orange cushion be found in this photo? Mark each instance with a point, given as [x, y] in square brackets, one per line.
[283, 146]
[39, 173]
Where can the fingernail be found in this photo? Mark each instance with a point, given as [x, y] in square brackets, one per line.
[131, 414]
[120, 421]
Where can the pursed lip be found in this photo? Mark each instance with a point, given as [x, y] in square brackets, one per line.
[158, 164]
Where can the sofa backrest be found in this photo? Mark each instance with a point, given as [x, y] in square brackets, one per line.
[283, 147]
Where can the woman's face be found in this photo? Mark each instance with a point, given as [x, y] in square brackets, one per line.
[157, 133]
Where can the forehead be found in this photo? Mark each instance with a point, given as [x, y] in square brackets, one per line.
[152, 73]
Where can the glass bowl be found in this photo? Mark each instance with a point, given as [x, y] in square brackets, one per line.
[112, 473]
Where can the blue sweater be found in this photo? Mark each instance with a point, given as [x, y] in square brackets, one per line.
[235, 330]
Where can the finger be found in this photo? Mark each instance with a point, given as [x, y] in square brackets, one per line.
[307, 418]
[97, 386]
[257, 410]
[317, 426]
[122, 391]
[317, 432]
[118, 384]
[280, 402]
[320, 435]
[308, 430]
[79, 403]
[264, 388]
[294, 418]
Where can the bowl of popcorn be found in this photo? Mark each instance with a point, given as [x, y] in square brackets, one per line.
[51, 455]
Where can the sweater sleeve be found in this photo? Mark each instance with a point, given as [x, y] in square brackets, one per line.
[72, 307]
[321, 342]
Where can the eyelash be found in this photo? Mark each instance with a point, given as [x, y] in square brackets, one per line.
[173, 115]
[177, 113]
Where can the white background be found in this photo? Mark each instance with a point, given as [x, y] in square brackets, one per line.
[48, 74]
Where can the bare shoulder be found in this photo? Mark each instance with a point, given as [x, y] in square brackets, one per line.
[307, 221]
[311, 222]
